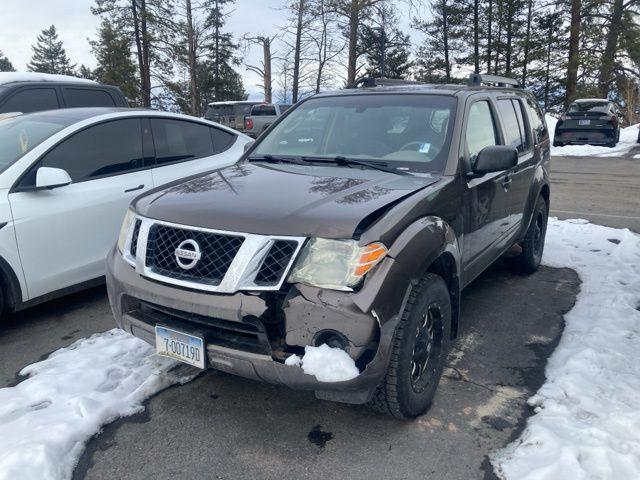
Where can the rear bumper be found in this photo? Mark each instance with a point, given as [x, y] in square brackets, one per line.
[579, 136]
[139, 304]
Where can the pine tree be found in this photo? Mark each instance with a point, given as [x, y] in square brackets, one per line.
[5, 64]
[385, 47]
[49, 56]
[115, 65]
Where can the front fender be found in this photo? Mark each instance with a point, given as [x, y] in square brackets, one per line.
[412, 253]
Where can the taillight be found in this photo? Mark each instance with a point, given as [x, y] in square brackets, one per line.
[248, 123]
[613, 120]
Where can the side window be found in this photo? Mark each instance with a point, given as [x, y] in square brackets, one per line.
[178, 140]
[537, 122]
[222, 140]
[84, 97]
[481, 130]
[105, 149]
[522, 124]
[263, 110]
[31, 100]
[510, 122]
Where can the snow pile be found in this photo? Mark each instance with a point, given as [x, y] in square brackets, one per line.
[10, 77]
[325, 363]
[46, 419]
[628, 139]
[587, 421]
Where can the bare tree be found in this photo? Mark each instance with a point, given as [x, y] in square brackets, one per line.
[574, 43]
[264, 68]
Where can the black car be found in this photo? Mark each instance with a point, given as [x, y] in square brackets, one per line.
[353, 224]
[589, 121]
[32, 92]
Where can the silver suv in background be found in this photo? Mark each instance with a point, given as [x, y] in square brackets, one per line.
[231, 114]
[262, 116]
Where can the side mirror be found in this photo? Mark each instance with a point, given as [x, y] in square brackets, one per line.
[495, 158]
[48, 178]
[248, 145]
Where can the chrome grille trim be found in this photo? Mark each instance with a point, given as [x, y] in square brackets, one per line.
[240, 275]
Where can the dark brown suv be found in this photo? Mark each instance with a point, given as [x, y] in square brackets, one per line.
[351, 226]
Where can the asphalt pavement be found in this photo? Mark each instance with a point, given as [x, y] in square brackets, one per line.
[220, 426]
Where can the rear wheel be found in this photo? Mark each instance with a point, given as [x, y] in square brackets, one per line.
[529, 259]
[419, 350]
[558, 144]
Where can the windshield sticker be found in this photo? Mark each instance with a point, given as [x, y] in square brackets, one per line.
[424, 148]
[305, 140]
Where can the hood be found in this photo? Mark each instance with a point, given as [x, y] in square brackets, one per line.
[280, 199]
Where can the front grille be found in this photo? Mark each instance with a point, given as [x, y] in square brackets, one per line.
[276, 262]
[134, 238]
[217, 250]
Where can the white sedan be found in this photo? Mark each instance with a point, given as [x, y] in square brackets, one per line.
[67, 178]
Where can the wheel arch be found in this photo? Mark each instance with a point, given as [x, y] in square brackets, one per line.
[427, 245]
[10, 286]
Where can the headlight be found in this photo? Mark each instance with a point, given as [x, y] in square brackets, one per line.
[124, 231]
[335, 264]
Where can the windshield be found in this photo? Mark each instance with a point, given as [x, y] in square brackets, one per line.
[19, 135]
[412, 132]
[585, 107]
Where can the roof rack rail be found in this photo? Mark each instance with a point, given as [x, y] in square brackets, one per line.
[381, 81]
[477, 79]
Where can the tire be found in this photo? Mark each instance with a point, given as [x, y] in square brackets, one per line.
[412, 376]
[528, 260]
[2, 304]
[558, 144]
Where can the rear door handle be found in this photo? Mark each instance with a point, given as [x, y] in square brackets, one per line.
[506, 182]
[139, 187]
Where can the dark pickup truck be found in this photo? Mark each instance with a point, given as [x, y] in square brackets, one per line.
[351, 227]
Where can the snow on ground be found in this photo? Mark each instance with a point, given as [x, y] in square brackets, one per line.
[327, 364]
[587, 420]
[628, 139]
[46, 419]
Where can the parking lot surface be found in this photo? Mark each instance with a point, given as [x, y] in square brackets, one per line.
[604, 190]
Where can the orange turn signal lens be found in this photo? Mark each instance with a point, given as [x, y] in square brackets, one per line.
[370, 256]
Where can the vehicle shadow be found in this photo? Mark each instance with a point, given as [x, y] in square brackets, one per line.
[221, 426]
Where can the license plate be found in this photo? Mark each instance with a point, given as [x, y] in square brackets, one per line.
[584, 122]
[181, 346]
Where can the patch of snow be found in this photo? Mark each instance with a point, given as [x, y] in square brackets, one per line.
[11, 77]
[628, 139]
[325, 363]
[46, 419]
[587, 421]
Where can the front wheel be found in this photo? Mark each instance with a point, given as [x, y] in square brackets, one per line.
[419, 350]
[533, 244]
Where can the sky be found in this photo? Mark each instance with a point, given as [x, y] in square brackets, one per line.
[22, 20]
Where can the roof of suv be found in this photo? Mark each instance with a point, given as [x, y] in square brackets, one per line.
[426, 88]
[15, 77]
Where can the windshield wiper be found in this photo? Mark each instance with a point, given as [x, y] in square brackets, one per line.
[348, 162]
[275, 159]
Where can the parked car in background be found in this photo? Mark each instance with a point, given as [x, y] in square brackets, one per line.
[353, 224]
[67, 177]
[229, 114]
[32, 92]
[262, 116]
[589, 121]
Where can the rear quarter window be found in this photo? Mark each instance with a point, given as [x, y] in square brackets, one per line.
[263, 110]
[85, 97]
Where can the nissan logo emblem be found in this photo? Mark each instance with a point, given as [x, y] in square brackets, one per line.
[188, 254]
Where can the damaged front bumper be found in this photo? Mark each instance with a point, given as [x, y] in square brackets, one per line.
[251, 335]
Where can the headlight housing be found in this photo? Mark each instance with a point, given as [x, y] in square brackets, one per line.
[124, 230]
[335, 264]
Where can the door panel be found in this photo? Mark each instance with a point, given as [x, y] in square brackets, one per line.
[487, 197]
[64, 234]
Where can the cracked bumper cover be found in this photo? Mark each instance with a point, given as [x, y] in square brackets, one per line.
[306, 312]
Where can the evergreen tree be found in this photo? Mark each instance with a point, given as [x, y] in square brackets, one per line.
[115, 65]
[49, 56]
[385, 47]
[5, 64]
